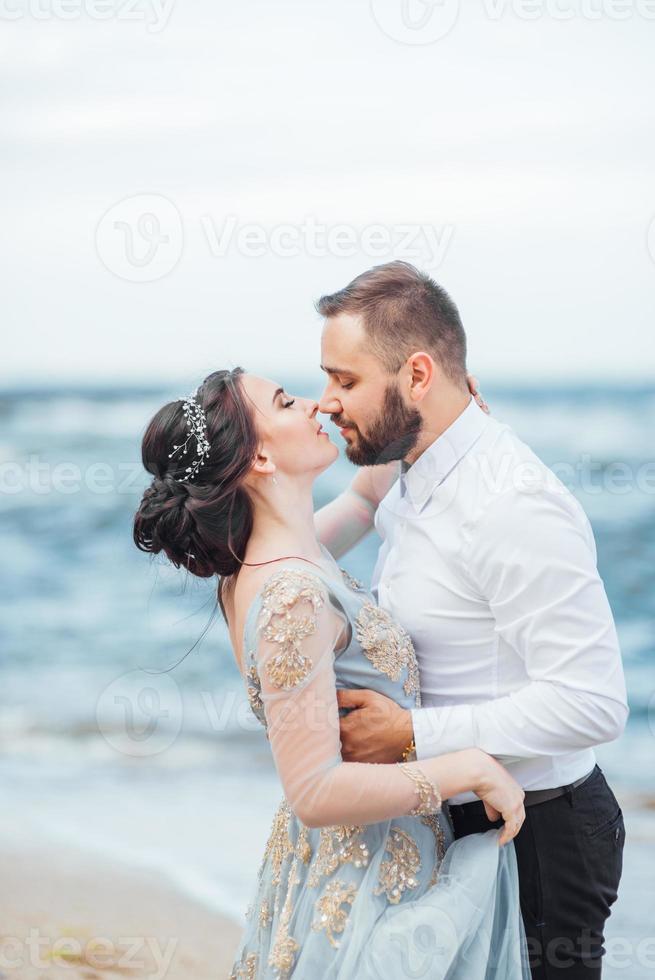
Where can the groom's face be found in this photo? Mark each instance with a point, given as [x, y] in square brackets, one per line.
[362, 398]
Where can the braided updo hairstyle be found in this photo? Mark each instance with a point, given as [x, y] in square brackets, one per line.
[201, 524]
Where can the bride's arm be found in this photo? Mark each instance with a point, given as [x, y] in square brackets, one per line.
[294, 645]
[344, 521]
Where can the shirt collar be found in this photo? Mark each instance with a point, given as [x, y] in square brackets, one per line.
[433, 465]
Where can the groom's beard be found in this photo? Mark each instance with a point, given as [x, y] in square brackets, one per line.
[392, 435]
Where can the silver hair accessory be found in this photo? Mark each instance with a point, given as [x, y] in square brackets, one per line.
[196, 422]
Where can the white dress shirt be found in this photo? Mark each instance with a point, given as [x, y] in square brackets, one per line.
[489, 563]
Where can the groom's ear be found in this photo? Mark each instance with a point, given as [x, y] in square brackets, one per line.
[421, 373]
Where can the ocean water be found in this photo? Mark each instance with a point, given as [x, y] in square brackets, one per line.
[170, 769]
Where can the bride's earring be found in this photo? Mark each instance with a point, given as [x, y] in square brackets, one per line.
[274, 481]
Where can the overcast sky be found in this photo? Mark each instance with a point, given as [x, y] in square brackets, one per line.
[182, 180]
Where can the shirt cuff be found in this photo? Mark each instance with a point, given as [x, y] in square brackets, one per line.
[439, 730]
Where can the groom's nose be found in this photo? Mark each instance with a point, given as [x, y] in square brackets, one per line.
[329, 404]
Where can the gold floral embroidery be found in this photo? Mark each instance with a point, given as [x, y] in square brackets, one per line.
[289, 667]
[388, 647]
[303, 847]
[353, 583]
[429, 797]
[286, 589]
[265, 917]
[285, 947]
[331, 916]
[246, 969]
[338, 845]
[399, 872]
[413, 683]
[432, 821]
[254, 692]
[279, 845]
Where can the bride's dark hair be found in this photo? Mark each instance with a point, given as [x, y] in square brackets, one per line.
[201, 524]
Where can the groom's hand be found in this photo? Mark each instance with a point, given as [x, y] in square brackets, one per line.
[376, 729]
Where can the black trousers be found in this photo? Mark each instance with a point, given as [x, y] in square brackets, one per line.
[570, 857]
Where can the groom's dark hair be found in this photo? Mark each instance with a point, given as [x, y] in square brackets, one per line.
[403, 310]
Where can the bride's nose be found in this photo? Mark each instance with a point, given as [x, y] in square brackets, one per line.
[312, 409]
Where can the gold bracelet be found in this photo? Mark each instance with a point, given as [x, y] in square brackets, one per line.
[408, 751]
[429, 797]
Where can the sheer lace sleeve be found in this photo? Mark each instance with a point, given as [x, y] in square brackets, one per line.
[344, 521]
[296, 633]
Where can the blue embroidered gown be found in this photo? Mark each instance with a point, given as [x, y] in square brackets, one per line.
[360, 878]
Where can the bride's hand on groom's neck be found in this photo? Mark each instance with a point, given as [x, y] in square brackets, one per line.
[474, 388]
[376, 729]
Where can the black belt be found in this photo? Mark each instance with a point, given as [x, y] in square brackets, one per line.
[532, 796]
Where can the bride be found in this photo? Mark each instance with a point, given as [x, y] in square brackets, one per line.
[360, 877]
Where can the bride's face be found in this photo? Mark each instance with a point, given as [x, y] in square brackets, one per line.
[292, 438]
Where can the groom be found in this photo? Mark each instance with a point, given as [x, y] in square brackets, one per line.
[489, 562]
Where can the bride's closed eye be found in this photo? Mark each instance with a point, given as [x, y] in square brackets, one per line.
[289, 403]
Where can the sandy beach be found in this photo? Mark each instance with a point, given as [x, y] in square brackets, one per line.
[69, 913]
[66, 915]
